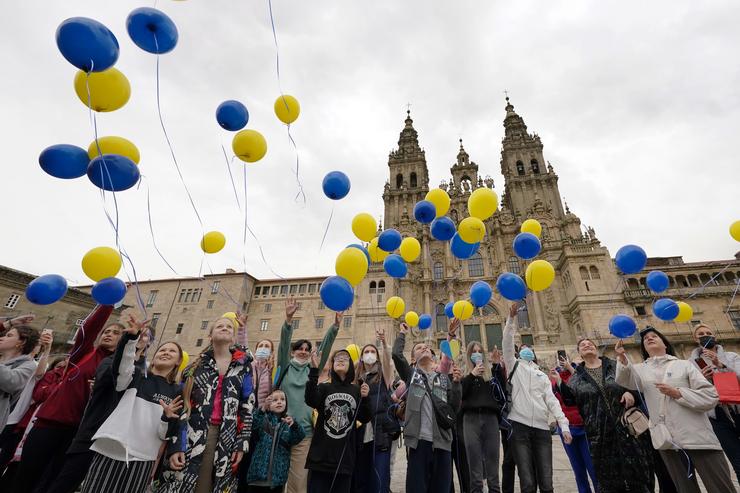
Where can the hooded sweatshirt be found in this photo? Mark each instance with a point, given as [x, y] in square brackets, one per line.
[294, 375]
[14, 374]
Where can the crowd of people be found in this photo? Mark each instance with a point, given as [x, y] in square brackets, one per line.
[115, 416]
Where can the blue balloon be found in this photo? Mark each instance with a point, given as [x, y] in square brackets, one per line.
[657, 281]
[425, 321]
[113, 172]
[46, 289]
[526, 246]
[622, 326]
[336, 293]
[463, 250]
[87, 44]
[665, 309]
[64, 161]
[389, 240]
[630, 259]
[395, 266]
[480, 293]
[363, 249]
[152, 30]
[109, 291]
[336, 185]
[232, 115]
[448, 309]
[425, 212]
[443, 229]
[511, 286]
[444, 346]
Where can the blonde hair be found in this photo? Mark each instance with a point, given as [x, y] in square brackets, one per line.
[172, 375]
[700, 325]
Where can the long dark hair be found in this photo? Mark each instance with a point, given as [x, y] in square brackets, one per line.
[29, 336]
[668, 346]
[362, 372]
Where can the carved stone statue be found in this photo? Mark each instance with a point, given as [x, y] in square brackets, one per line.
[466, 186]
[489, 182]
[443, 185]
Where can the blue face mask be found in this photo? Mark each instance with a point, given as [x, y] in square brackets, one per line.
[262, 353]
[526, 354]
[476, 358]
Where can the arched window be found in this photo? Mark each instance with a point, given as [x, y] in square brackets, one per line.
[399, 181]
[439, 271]
[372, 287]
[584, 273]
[594, 272]
[514, 267]
[519, 168]
[535, 166]
[488, 310]
[381, 287]
[475, 266]
[523, 315]
[412, 180]
[441, 318]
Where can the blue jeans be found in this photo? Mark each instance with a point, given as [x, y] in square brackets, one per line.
[580, 459]
[372, 470]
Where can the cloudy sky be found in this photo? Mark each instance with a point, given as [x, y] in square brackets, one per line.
[637, 103]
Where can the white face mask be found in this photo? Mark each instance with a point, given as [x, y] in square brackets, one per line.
[369, 358]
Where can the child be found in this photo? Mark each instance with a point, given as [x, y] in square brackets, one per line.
[277, 433]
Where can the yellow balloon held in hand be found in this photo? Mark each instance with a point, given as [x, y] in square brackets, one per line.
[482, 203]
[395, 307]
[352, 265]
[539, 275]
[101, 263]
[109, 89]
[185, 361]
[376, 254]
[735, 230]
[363, 226]
[249, 145]
[462, 309]
[471, 230]
[532, 226]
[410, 249]
[685, 312]
[287, 109]
[114, 145]
[412, 319]
[440, 199]
[354, 352]
[455, 348]
[213, 242]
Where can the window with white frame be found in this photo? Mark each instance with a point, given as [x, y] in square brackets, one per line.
[152, 298]
[475, 266]
[264, 324]
[268, 307]
[215, 286]
[12, 300]
[347, 321]
[319, 323]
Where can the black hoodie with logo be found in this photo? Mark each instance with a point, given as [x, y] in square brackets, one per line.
[339, 406]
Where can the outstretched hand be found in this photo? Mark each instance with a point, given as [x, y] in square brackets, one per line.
[291, 306]
[338, 317]
[134, 327]
[621, 353]
[514, 309]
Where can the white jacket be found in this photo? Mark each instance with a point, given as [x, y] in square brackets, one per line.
[532, 399]
[685, 417]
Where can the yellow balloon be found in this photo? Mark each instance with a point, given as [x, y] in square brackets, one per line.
[249, 145]
[455, 348]
[352, 265]
[482, 203]
[363, 226]
[213, 242]
[462, 309]
[532, 226]
[685, 312]
[440, 199]
[539, 275]
[287, 109]
[412, 319]
[471, 230]
[114, 145]
[109, 89]
[185, 361]
[735, 230]
[376, 254]
[354, 352]
[230, 315]
[410, 249]
[101, 262]
[395, 306]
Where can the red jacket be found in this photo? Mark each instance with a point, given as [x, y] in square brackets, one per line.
[65, 406]
[41, 391]
[571, 412]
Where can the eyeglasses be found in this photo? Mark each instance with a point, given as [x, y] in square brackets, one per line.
[340, 359]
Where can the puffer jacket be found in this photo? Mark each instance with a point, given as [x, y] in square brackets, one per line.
[271, 457]
[685, 417]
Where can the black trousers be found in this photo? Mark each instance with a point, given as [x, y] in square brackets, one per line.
[508, 466]
[73, 472]
[321, 482]
[728, 435]
[42, 458]
[429, 470]
[9, 440]
[532, 449]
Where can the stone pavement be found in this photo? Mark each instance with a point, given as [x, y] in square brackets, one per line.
[562, 473]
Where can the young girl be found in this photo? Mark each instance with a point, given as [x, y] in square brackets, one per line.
[264, 361]
[331, 458]
[277, 432]
[127, 444]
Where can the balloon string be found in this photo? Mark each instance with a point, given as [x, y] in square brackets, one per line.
[231, 177]
[326, 230]
[151, 230]
[297, 164]
[277, 49]
[732, 300]
[701, 288]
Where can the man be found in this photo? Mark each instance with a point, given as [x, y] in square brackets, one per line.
[710, 358]
[532, 401]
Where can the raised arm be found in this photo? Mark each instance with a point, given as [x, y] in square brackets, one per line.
[125, 355]
[328, 341]
[286, 333]
[385, 357]
[86, 335]
[46, 341]
[402, 365]
[626, 375]
[507, 342]
[312, 395]
[445, 363]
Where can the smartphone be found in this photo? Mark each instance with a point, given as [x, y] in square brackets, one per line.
[562, 356]
[702, 364]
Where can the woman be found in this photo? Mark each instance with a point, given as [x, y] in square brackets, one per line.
[621, 461]
[16, 365]
[480, 414]
[264, 361]
[375, 439]
[340, 403]
[127, 444]
[216, 423]
[678, 398]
